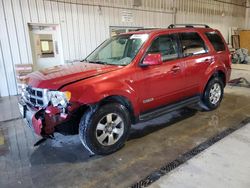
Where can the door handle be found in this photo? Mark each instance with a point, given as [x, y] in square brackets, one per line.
[175, 69]
[208, 61]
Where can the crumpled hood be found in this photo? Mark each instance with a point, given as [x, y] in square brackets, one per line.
[58, 76]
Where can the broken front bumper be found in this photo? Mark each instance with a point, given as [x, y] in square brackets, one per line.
[29, 115]
[45, 121]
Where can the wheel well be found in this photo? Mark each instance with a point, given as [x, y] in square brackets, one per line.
[122, 100]
[219, 74]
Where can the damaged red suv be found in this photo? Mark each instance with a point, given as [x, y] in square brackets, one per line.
[129, 78]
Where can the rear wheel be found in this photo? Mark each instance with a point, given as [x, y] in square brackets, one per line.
[104, 130]
[213, 93]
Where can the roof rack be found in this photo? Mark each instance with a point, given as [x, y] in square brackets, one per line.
[141, 29]
[187, 25]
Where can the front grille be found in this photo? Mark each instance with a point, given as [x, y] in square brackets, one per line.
[35, 96]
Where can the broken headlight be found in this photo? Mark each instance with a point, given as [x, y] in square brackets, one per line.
[59, 98]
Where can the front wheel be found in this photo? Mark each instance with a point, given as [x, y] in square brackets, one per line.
[213, 93]
[104, 130]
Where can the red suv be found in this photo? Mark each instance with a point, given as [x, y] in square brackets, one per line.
[131, 77]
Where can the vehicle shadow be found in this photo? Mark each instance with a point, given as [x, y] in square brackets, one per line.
[69, 149]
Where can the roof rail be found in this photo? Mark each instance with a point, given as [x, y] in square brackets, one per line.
[187, 25]
[141, 29]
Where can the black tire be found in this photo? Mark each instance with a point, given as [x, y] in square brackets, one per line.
[88, 128]
[210, 104]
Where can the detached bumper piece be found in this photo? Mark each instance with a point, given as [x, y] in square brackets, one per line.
[43, 140]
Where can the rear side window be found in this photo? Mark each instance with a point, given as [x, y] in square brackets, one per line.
[167, 45]
[192, 44]
[216, 41]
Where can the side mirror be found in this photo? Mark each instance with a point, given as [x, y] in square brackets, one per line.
[152, 59]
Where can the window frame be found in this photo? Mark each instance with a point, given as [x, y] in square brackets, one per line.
[176, 37]
[206, 48]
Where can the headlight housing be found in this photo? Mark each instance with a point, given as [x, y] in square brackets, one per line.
[59, 98]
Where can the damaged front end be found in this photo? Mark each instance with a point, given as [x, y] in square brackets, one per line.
[48, 111]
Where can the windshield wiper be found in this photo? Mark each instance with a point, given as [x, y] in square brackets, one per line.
[97, 62]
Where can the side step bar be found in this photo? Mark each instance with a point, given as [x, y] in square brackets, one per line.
[166, 109]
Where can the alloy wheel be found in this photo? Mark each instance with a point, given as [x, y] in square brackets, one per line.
[109, 129]
[215, 93]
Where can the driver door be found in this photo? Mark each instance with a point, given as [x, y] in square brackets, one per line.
[162, 84]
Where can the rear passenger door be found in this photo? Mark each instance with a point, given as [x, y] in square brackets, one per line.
[197, 60]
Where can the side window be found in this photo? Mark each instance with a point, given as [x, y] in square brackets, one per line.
[216, 41]
[192, 44]
[167, 45]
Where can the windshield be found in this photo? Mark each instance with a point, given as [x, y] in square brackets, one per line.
[118, 50]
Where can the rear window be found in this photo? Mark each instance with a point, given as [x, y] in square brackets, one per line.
[216, 41]
[192, 44]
